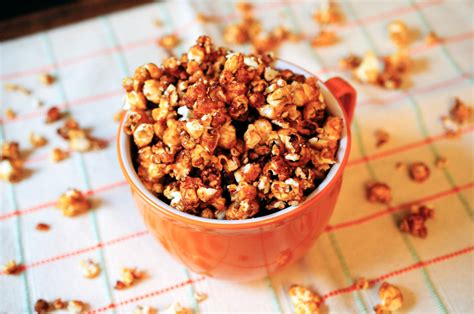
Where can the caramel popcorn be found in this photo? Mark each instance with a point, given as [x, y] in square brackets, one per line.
[79, 139]
[37, 140]
[381, 137]
[432, 39]
[47, 79]
[441, 162]
[398, 33]
[328, 13]
[414, 221]
[76, 306]
[350, 62]
[378, 192]
[53, 114]
[391, 298]
[419, 171]
[460, 113]
[73, 202]
[11, 87]
[11, 162]
[169, 41]
[58, 154]
[177, 308]
[225, 135]
[304, 300]
[41, 306]
[324, 38]
[129, 277]
[12, 268]
[362, 284]
[144, 309]
[59, 304]
[42, 227]
[10, 114]
[89, 268]
[200, 296]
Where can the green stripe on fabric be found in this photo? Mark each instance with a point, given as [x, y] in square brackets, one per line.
[85, 178]
[427, 278]
[121, 60]
[362, 307]
[20, 251]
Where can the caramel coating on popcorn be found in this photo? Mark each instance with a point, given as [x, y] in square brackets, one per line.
[391, 299]
[304, 300]
[225, 135]
[73, 202]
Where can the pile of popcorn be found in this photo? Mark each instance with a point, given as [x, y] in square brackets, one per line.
[225, 135]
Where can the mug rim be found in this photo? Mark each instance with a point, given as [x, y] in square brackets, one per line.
[158, 205]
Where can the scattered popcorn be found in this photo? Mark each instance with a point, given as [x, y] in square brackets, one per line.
[381, 137]
[399, 33]
[362, 284]
[144, 309]
[391, 298]
[460, 113]
[76, 306]
[47, 79]
[414, 222]
[304, 300]
[53, 114]
[419, 171]
[10, 114]
[129, 277]
[37, 140]
[11, 87]
[59, 304]
[73, 202]
[58, 154]
[168, 42]
[37, 103]
[11, 162]
[79, 139]
[400, 165]
[90, 269]
[41, 306]
[42, 227]
[177, 308]
[324, 38]
[200, 296]
[369, 69]
[378, 192]
[328, 13]
[350, 62]
[441, 162]
[205, 18]
[432, 39]
[12, 268]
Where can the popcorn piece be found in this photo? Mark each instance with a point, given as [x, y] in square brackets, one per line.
[391, 298]
[369, 69]
[47, 79]
[328, 13]
[11, 162]
[324, 38]
[362, 284]
[419, 171]
[10, 114]
[73, 202]
[432, 39]
[76, 306]
[399, 33]
[414, 222]
[59, 304]
[169, 41]
[41, 306]
[11, 87]
[53, 114]
[129, 277]
[143, 134]
[42, 227]
[350, 62]
[304, 300]
[200, 297]
[144, 309]
[57, 154]
[378, 192]
[381, 137]
[12, 268]
[37, 140]
[89, 268]
[460, 113]
[79, 139]
[441, 162]
[177, 308]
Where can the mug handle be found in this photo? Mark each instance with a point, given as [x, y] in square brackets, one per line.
[344, 93]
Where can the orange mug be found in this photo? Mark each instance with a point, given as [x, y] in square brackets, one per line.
[244, 250]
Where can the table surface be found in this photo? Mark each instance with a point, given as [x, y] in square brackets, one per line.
[89, 60]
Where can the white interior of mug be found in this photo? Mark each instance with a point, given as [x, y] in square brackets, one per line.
[334, 109]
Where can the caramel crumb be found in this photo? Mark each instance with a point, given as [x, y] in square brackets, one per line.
[419, 171]
[381, 137]
[324, 38]
[59, 304]
[168, 42]
[90, 269]
[10, 114]
[328, 13]
[128, 278]
[12, 268]
[391, 298]
[414, 221]
[200, 296]
[73, 202]
[432, 39]
[441, 162]
[58, 154]
[42, 227]
[11, 87]
[41, 306]
[378, 192]
[460, 113]
[53, 114]
[76, 306]
[37, 140]
[47, 79]
[362, 284]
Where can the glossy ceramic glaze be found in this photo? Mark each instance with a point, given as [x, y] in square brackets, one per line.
[254, 248]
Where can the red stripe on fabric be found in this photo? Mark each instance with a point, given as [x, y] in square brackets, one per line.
[21, 212]
[384, 212]
[146, 295]
[406, 147]
[401, 271]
